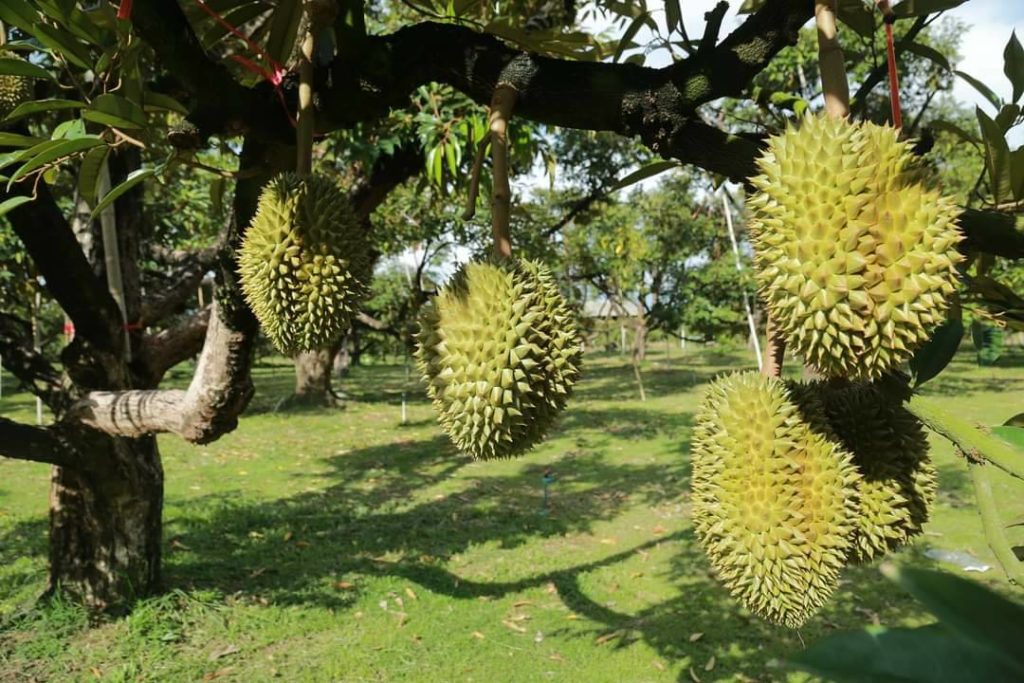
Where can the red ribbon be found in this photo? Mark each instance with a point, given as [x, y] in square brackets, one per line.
[274, 75]
[124, 10]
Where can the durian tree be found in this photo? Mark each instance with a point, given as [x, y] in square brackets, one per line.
[124, 96]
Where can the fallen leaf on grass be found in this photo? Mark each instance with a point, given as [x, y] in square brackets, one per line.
[522, 603]
[411, 593]
[344, 585]
[551, 587]
[711, 664]
[257, 572]
[572, 617]
[608, 541]
[694, 637]
[288, 536]
[556, 657]
[96, 671]
[659, 530]
[478, 635]
[658, 665]
[211, 675]
[513, 626]
[178, 545]
[608, 636]
[694, 676]
[224, 652]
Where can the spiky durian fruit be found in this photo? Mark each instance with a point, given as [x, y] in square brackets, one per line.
[304, 262]
[774, 499]
[855, 254]
[14, 90]
[890, 450]
[499, 351]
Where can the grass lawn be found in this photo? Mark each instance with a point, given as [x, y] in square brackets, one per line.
[341, 546]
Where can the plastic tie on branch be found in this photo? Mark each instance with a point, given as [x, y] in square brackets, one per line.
[889, 18]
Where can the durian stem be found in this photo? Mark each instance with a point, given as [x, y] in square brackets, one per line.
[834, 85]
[774, 350]
[502, 101]
[994, 534]
[974, 442]
[304, 121]
[3, 34]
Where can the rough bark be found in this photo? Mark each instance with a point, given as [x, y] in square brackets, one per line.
[105, 522]
[313, 370]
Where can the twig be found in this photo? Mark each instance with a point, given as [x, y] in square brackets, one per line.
[474, 180]
[993, 526]
[502, 101]
[973, 442]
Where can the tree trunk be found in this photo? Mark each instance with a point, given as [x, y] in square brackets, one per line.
[105, 522]
[313, 378]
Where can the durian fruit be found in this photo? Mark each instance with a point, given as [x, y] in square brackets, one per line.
[499, 352]
[304, 262]
[774, 499]
[14, 90]
[855, 253]
[890, 450]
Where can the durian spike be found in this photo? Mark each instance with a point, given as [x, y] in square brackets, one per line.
[502, 101]
[834, 85]
[774, 350]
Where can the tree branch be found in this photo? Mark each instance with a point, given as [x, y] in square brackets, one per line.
[186, 280]
[659, 105]
[388, 172]
[38, 444]
[41, 227]
[27, 364]
[161, 351]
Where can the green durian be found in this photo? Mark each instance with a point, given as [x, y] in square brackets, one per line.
[890, 450]
[499, 351]
[14, 90]
[304, 262]
[855, 253]
[774, 498]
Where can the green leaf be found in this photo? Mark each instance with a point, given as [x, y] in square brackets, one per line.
[929, 654]
[937, 352]
[641, 20]
[947, 127]
[971, 610]
[930, 53]
[284, 27]
[673, 15]
[858, 17]
[1011, 435]
[63, 44]
[16, 140]
[1013, 65]
[38, 106]
[89, 173]
[985, 91]
[18, 13]
[997, 157]
[1017, 173]
[155, 100]
[13, 203]
[643, 173]
[114, 110]
[915, 8]
[65, 148]
[72, 128]
[1015, 421]
[19, 67]
[133, 179]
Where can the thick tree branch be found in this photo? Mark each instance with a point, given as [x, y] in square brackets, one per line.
[27, 364]
[186, 279]
[992, 232]
[219, 391]
[659, 105]
[388, 172]
[38, 444]
[55, 251]
[161, 351]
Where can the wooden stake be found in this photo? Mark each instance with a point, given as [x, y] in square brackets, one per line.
[834, 85]
[502, 101]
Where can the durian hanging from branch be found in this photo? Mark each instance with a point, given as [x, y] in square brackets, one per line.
[306, 259]
[498, 346]
[855, 251]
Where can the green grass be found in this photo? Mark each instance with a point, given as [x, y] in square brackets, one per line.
[340, 546]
